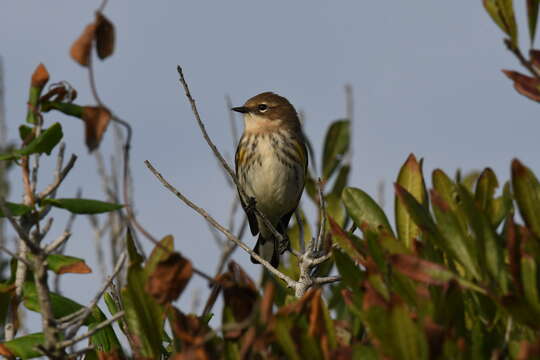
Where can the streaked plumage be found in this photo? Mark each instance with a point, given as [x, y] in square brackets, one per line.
[271, 163]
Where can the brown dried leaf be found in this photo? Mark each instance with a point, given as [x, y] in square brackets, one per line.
[5, 351]
[247, 341]
[104, 36]
[188, 328]
[529, 350]
[267, 302]
[525, 85]
[75, 268]
[191, 354]
[82, 47]
[96, 119]
[113, 355]
[316, 317]
[58, 92]
[239, 291]
[40, 76]
[372, 297]
[169, 278]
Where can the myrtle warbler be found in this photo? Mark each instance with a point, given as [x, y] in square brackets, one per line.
[271, 163]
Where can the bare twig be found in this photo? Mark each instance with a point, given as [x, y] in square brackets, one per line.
[57, 243]
[290, 282]
[12, 254]
[67, 343]
[61, 176]
[96, 298]
[519, 55]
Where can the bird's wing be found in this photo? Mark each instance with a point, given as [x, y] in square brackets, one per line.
[252, 219]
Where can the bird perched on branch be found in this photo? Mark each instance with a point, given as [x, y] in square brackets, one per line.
[271, 162]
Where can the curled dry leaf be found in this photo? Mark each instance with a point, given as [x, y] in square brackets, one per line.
[104, 36]
[525, 85]
[40, 76]
[239, 291]
[82, 47]
[169, 278]
[59, 92]
[96, 119]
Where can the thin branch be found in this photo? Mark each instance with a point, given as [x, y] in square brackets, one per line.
[519, 55]
[52, 188]
[57, 243]
[327, 280]
[96, 298]
[98, 327]
[12, 254]
[290, 282]
[20, 232]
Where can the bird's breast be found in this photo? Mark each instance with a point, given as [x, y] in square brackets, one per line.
[272, 174]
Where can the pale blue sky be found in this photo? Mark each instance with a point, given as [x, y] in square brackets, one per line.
[426, 77]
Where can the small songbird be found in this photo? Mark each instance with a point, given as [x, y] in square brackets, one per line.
[271, 163]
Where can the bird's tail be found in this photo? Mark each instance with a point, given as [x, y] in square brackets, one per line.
[267, 248]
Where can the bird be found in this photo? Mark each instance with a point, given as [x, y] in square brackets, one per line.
[271, 166]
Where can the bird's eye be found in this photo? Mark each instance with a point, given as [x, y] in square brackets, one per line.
[262, 107]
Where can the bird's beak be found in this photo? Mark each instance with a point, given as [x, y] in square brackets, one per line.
[241, 109]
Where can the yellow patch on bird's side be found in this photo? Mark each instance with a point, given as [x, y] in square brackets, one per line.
[300, 150]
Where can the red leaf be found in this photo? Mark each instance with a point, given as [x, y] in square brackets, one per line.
[418, 269]
[75, 268]
[525, 85]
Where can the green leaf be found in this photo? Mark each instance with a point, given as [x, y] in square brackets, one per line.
[410, 340]
[67, 108]
[62, 264]
[61, 306]
[490, 249]
[485, 189]
[364, 211]
[350, 272]
[342, 180]
[336, 145]
[345, 241]
[502, 13]
[144, 317]
[284, 338]
[23, 347]
[83, 206]
[529, 272]
[527, 193]
[24, 132]
[418, 212]
[16, 209]
[42, 144]
[457, 241]
[411, 179]
[532, 17]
